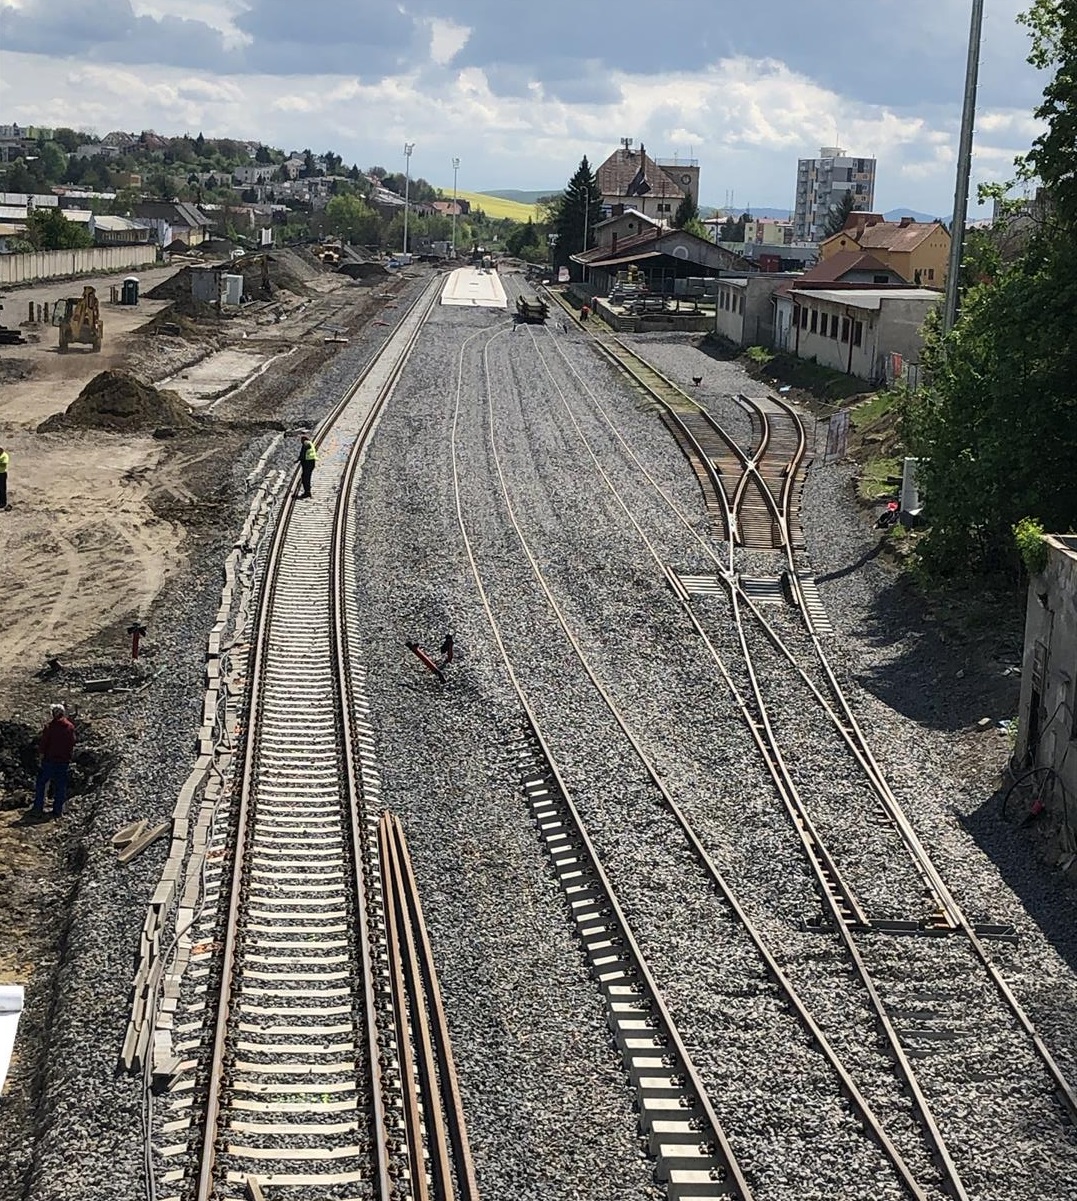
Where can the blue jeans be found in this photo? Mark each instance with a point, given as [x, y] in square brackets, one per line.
[56, 774]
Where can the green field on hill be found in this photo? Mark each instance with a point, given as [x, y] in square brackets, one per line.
[495, 206]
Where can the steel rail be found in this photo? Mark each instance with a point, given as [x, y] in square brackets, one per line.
[821, 864]
[442, 1110]
[857, 741]
[852, 733]
[255, 688]
[740, 1183]
[446, 1067]
[797, 1006]
[858, 745]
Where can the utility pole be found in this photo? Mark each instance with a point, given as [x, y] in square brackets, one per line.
[455, 169]
[964, 170]
[408, 148]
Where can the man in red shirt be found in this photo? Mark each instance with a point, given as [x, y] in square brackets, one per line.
[56, 744]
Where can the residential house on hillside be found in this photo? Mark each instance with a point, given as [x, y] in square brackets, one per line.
[186, 222]
[447, 207]
[919, 251]
[116, 231]
[632, 179]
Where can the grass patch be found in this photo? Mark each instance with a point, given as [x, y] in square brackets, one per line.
[869, 412]
[874, 482]
[759, 355]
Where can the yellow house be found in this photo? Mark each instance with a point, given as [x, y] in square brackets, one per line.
[919, 251]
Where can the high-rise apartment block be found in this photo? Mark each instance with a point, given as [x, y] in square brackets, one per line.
[822, 182]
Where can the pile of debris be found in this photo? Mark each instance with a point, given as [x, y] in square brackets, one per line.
[117, 400]
[363, 271]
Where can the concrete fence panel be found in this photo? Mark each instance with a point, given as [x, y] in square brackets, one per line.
[58, 264]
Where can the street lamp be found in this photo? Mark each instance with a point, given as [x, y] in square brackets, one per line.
[455, 168]
[408, 148]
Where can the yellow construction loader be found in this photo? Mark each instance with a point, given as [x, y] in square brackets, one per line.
[79, 320]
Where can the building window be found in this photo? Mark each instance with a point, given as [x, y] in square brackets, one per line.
[833, 325]
[814, 320]
[845, 329]
[858, 333]
[849, 175]
[931, 272]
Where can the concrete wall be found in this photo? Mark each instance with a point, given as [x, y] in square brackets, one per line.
[751, 323]
[57, 264]
[1046, 725]
[894, 328]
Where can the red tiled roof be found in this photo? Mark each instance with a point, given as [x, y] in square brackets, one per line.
[900, 236]
[834, 268]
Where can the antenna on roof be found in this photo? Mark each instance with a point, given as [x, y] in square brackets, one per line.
[627, 144]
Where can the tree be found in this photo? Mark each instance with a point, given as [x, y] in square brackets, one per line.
[351, 218]
[578, 210]
[262, 155]
[19, 178]
[996, 425]
[839, 214]
[733, 231]
[70, 140]
[49, 229]
[687, 211]
[694, 225]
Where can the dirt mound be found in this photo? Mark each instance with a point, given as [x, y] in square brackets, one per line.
[364, 271]
[116, 400]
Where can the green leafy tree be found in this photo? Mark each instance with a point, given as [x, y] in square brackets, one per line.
[49, 229]
[694, 225]
[996, 425]
[70, 140]
[351, 218]
[19, 178]
[262, 156]
[687, 211]
[839, 214]
[575, 215]
[733, 230]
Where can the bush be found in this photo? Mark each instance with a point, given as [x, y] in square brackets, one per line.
[1028, 535]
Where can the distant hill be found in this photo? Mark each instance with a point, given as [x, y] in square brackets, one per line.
[897, 214]
[523, 197]
[497, 206]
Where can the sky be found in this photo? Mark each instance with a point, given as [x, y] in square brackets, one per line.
[520, 91]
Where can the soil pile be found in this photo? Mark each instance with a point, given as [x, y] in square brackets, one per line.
[364, 271]
[116, 400]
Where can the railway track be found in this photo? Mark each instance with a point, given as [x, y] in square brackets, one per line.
[929, 1001]
[590, 895]
[328, 1070]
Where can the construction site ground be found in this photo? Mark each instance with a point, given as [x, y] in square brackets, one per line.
[102, 523]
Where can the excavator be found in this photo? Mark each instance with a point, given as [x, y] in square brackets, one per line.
[79, 320]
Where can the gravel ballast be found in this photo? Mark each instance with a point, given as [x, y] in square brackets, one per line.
[549, 1106]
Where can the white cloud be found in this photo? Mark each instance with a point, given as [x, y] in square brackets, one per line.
[217, 14]
[446, 40]
[746, 120]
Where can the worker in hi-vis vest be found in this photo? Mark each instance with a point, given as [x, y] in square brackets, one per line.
[308, 456]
